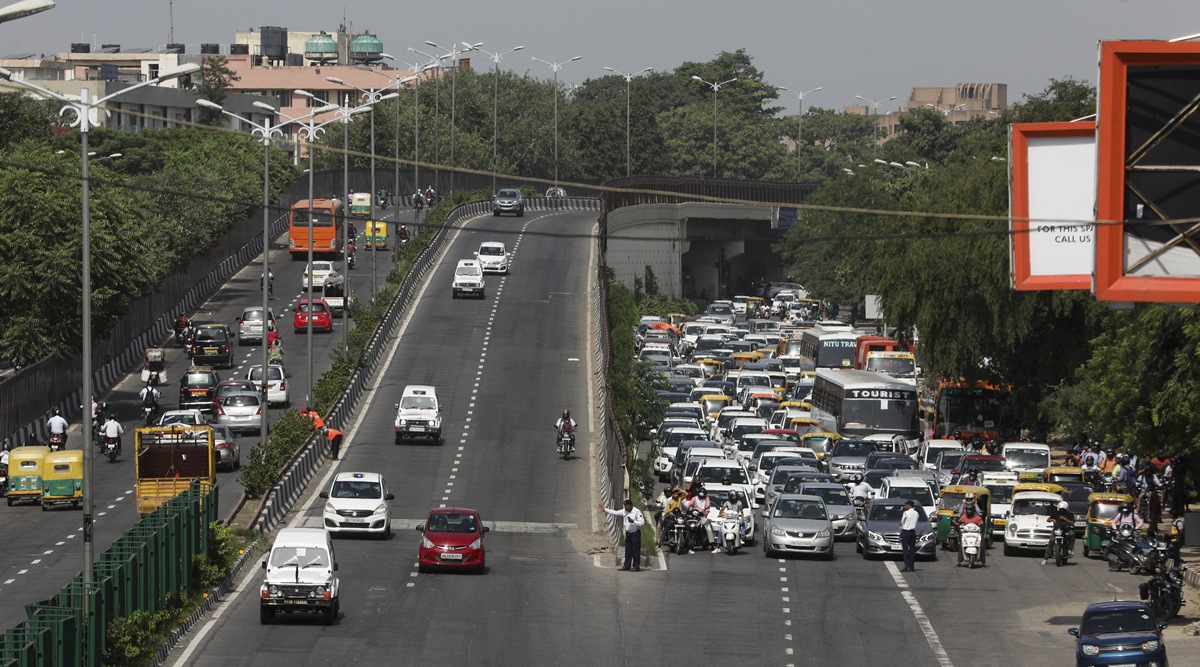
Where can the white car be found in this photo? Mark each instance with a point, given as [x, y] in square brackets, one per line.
[319, 271]
[719, 493]
[663, 462]
[1028, 525]
[493, 257]
[185, 417]
[277, 393]
[468, 279]
[418, 413]
[358, 502]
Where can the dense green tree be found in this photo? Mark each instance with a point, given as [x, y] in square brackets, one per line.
[215, 81]
[22, 118]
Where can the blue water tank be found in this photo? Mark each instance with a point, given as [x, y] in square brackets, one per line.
[366, 48]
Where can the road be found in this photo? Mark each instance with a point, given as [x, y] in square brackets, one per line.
[42, 551]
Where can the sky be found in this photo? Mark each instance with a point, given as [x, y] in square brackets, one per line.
[870, 48]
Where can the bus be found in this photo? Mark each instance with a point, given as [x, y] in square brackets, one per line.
[828, 347]
[326, 228]
[856, 404]
[966, 409]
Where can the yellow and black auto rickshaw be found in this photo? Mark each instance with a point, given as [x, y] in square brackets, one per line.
[25, 465]
[1102, 508]
[62, 479]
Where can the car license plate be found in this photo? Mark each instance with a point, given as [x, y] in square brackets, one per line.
[210, 350]
[198, 392]
[416, 428]
[295, 601]
[896, 547]
[351, 520]
[452, 556]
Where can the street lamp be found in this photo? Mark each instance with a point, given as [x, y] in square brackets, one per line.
[874, 105]
[554, 67]
[496, 57]
[436, 61]
[799, 120]
[416, 77]
[310, 129]
[396, 82]
[19, 10]
[373, 97]
[84, 119]
[715, 87]
[455, 52]
[947, 110]
[628, 78]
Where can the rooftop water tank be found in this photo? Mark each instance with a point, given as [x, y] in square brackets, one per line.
[366, 48]
[321, 48]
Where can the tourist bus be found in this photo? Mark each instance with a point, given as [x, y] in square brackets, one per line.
[326, 228]
[857, 404]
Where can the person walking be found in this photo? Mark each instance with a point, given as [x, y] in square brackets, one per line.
[633, 533]
[908, 536]
[335, 441]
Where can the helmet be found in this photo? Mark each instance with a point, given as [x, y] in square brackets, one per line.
[701, 493]
[1089, 459]
[1111, 452]
[858, 477]
[970, 496]
[970, 510]
[973, 472]
[1062, 505]
[566, 414]
[733, 495]
[1124, 459]
[57, 412]
[1126, 508]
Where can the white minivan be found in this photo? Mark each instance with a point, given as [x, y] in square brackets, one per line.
[300, 576]
[927, 453]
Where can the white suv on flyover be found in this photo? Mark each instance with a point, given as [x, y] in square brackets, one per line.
[418, 413]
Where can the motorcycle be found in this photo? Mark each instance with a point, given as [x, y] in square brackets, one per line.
[731, 534]
[350, 251]
[1164, 592]
[111, 448]
[402, 233]
[149, 412]
[693, 532]
[566, 443]
[675, 532]
[1126, 550]
[383, 202]
[182, 326]
[1058, 546]
[951, 541]
[58, 442]
[971, 544]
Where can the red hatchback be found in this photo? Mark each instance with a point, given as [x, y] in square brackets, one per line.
[322, 317]
[452, 537]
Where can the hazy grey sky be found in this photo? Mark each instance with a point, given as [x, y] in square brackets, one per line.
[873, 48]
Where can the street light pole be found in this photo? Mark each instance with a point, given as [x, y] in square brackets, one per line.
[454, 53]
[874, 105]
[554, 67]
[437, 112]
[83, 110]
[496, 58]
[799, 120]
[628, 78]
[715, 87]
[416, 81]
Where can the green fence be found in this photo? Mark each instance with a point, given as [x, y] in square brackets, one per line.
[151, 560]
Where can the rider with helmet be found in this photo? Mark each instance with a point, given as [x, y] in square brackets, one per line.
[971, 478]
[1062, 518]
[58, 425]
[1127, 517]
[733, 508]
[970, 517]
[860, 489]
[702, 504]
[969, 503]
[565, 425]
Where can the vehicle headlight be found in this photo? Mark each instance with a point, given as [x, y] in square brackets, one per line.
[426, 543]
[1012, 529]
[778, 532]
[926, 537]
[1151, 645]
[824, 532]
[477, 543]
[1090, 649]
[874, 536]
[400, 422]
[319, 591]
[380, 509]
[330, 509]
[273, 590]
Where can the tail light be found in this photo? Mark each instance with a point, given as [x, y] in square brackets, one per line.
[259, 411]
[220, 410]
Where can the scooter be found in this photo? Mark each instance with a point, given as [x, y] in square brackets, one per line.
[566, 443]
[731, 534]
[860, 507]
[972, 544]
[58, 442]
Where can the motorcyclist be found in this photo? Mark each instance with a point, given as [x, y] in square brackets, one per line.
[970, 517]
[149, 396]
[1109, 462]
[969, 503]
[730, 509]
[1089, 463]
[1125, 477]
[971, 478]
[57, 425]
[671, 502]
[702, 504]
[113, 429]
[275, 353]
[1062, 518]
[860, 489]
[565, 424]
[273, 337]
[383, 198]
[1127, 517]
[270, 278]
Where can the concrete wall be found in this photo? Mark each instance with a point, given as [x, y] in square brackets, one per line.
[647, 235]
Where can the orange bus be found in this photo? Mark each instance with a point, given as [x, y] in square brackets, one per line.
[966, 409]
[326, 228]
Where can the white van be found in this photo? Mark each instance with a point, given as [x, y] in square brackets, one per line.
[1026, 457]
[927, 453]
[468, 278]
[334, 293]
[300, 576]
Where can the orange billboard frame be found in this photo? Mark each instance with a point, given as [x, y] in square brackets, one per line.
[1112, 283]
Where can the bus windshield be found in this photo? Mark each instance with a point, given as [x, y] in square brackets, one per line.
[971, 409]
[880, 414]
[897, 367]
[836, 353]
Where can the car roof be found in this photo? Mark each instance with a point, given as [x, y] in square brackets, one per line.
[420, 390]
[358, 477]
[1116, 605]
[491, 243]
[303, 537]
[452, 510]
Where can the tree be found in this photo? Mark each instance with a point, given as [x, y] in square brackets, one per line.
[22, 118]
[215, 80]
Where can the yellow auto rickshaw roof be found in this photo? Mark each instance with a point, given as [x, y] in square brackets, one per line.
[753, 298]
[747, 355]
[964, 489]
[1063, 470]
[805, 405]
[708, 362]
[26, 453]
[1041, 487]
[717, 397]
[66, 456]
[1109, 498]
[821, 434]
[807, 421]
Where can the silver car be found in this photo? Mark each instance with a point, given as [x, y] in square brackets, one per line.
[250, 324]
[849, 457]
[798, 524]
[839, 506]
[240, 412]
[508, 200]
[226, 448]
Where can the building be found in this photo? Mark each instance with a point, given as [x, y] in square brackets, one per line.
[959, 104]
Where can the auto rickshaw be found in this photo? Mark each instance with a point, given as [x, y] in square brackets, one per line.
[1102, 508]
[676, 318]
[753, 303]
[1055, 474]
[1043, 487]
[376, 235]
[360, 205]
[820, 442]
[798, 405]
[802, 425]
[714, 403]
[25, 473]
[62, 479]
[711, 366]
[154, 370]
[740, 359]
[951, 499]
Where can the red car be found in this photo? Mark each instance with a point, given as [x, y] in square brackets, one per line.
[452, 537]
[322, 316]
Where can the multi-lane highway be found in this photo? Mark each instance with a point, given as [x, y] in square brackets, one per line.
[41, 551]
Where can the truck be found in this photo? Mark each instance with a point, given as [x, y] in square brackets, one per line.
[167, 459]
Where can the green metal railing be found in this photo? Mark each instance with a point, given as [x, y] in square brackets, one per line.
[151, 560]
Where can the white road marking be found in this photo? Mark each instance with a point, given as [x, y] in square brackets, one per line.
[9, 581]
[22, 571]
[35, 561]
[935, 644]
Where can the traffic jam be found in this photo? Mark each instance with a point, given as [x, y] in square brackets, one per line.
[788, 433]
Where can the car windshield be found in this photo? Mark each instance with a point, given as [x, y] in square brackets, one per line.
[1117, 620]
[1028, 506]
[252, 315]
[920, 494]
[418, 403]
[830, 494]
[214, 334]
[273, 373]
[787, 508]
[302, 556]
[316, 307]
[949, 460]
[720, 309]
[895, 464]
[240, 401]
[755, 381]
[451, 522]
[197, 379]
[509, 193]
[892, 512]
[495, 251]
[179, 418]
[1076, 492]
[467, 270]
[351, 488]
[1027, 458]
[735, 474]
[862, 449]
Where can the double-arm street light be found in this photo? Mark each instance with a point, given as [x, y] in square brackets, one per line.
[715, 87]
[496, 58]
[455, 51]
[554, 67]
[628, 78]
[799, 120]
[265, 132]
[435, 61]
[874, 106]
[373, 97]
[416, 69]
[89, 113]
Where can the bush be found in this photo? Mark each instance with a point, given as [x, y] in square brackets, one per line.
[133, 639]
[263, 468]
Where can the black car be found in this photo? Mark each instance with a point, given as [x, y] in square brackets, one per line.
[212, 344]
[196, 389]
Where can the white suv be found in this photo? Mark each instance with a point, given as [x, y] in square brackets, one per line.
[320, 270]
[468, 278]
[358, 502]
[492, 257]
[419, 413]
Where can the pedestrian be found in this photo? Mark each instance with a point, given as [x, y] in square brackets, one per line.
[908, 535]
[335, 441]
[633, 533]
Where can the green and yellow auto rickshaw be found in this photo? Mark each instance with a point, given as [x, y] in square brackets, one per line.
[25, 466]
[1102, 508]
[376, 235]
[62, 479]
[950, 500]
